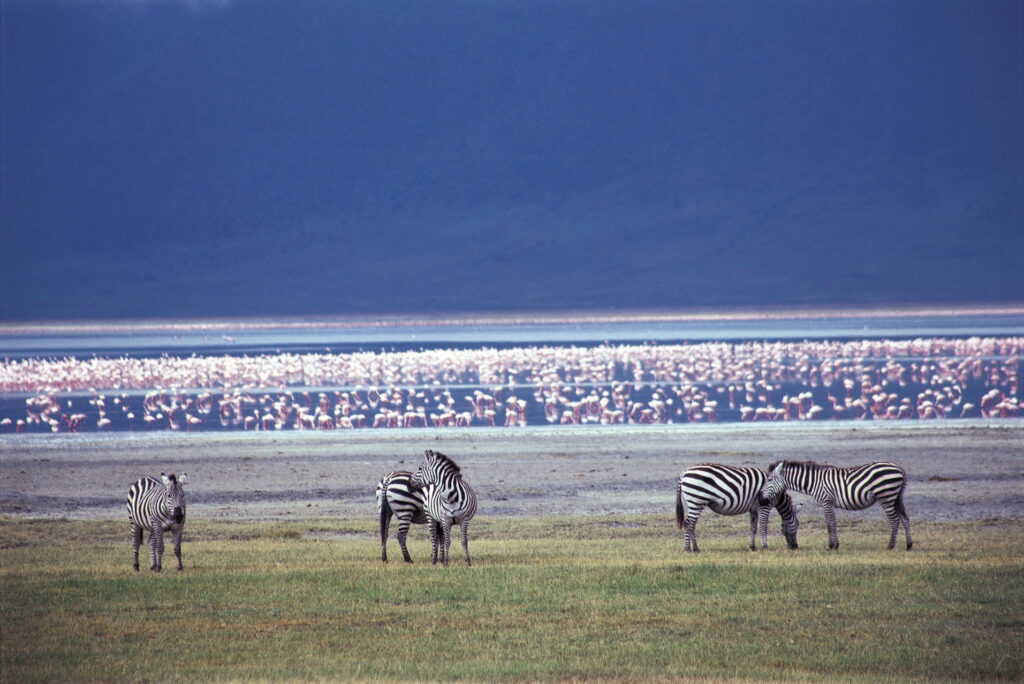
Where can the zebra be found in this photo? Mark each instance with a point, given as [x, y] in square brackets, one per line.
[448, 499]
[730, 490]
[851, 489]
[395, 496]
[157, 506]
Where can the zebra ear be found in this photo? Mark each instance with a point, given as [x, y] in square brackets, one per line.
[429, 454]
[164, 478]
[181, 478]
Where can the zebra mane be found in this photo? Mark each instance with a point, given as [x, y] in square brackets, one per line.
[444, 460]
[809, 465]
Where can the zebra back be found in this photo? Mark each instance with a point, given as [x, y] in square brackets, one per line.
[727, 489]
[396, 493]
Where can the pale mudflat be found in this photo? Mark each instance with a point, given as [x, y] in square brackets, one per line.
[958, 470]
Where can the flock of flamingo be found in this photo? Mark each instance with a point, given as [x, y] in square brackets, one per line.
[926, 378]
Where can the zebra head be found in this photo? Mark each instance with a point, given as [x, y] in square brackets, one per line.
[775, 484]
[175, 495]
[435, 466]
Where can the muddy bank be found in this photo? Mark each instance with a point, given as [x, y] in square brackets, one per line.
[958, 470]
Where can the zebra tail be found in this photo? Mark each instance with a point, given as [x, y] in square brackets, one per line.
[680, 507]
[385, 515]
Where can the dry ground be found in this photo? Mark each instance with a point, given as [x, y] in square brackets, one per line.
[962, 470]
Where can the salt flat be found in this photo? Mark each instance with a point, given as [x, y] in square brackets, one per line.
[958, 470]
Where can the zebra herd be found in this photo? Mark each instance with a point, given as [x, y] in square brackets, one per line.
[730, 490]
[437, 495]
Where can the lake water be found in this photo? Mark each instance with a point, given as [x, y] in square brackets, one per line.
[269, 337]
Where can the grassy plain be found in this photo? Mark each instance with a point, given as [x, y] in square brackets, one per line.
[573, 598]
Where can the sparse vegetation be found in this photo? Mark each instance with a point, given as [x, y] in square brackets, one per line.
[600, 597]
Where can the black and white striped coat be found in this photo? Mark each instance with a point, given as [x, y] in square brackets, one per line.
[730, 490]
[449, 500]
[157, 506]
[395, 496]
[851, 489]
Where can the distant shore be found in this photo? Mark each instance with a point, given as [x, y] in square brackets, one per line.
[502, 318]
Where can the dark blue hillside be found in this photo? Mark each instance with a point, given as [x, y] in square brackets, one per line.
[261, 158]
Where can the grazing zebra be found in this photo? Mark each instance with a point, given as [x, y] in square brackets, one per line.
[448, 499]
[730, 490]
[157, 507]
[396, 496]
[851, 489]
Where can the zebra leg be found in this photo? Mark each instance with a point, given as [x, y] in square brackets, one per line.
[759, 518]
[385, 523]
[434, 528]
[446, 540]
[403, 533]
[690, 529]
[177, 546]
[830, 522]
[693, 535]
[901, 510]
[465, 540]
[156, 547]
[136, 543]
[894, 523]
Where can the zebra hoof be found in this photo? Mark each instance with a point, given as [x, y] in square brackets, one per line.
[135, 568]
[910, 545]
[408, 560]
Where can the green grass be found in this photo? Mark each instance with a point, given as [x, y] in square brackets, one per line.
[561, 598]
